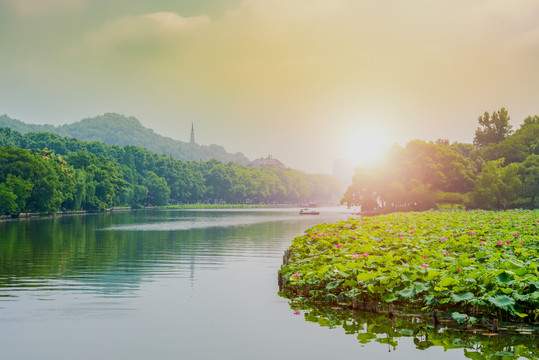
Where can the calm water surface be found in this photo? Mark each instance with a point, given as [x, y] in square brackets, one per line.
[167, 285]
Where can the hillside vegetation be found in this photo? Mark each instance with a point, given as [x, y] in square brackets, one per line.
[116, 129]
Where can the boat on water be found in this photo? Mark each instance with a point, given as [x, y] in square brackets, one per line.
[309, 212]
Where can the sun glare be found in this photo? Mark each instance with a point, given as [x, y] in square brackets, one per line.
[368, 144]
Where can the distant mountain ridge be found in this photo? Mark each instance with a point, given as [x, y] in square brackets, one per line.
[117, 129]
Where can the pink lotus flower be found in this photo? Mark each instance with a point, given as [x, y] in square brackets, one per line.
[424, 256]
[522, 242]
[424, 265]
[296, 275]
[508, 241]
[443, 239]
[411, 231]
[338, 235]
[481, 244]
[297, 313]
[355, 256]
[354, 237]
[338, 245]
[458, 270]
[365, 255]
[499, 243]
[314, 237]
[515, 234]
[447, 253]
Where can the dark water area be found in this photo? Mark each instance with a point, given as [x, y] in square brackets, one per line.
[179, 284]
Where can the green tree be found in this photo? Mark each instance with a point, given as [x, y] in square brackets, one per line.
[492, 129]
[8, 200]
[530, 178]
[219, 182]
[22, 189]
[158, 190]
[496, 187]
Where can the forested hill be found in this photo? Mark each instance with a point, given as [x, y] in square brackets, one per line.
[45, 172]
[116, 129]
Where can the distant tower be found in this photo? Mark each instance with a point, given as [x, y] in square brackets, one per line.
[192, 141]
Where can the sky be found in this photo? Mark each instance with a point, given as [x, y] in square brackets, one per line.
[307, 81]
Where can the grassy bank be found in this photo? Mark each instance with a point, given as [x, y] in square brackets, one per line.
[478, 263]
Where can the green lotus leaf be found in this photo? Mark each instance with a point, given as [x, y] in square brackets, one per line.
[322, 271]
[505, 278]
[502, 301]
[520, 297]
[460, 318]
[514, 264]
[365, 338]
[407, 332]
[446, 281]
[330, 298]
[388, 298]
[462, 297]
[349, 283]
[407, 292]
[504, 353]
[365, 276]
[420, 287]
[474, 355]
[332, 285]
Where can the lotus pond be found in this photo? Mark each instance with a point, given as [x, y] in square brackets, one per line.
[472, 265]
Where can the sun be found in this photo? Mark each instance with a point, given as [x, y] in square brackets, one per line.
[367, 144]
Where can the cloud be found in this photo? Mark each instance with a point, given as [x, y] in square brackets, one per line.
[305, 57]
[313, 67]
[38, 8]
[148, 29]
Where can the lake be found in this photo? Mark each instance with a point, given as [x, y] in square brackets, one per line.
[187, 284]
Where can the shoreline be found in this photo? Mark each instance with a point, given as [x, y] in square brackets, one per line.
[25, 216]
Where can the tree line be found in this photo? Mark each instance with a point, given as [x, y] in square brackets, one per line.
[44, 172]
[499, 170]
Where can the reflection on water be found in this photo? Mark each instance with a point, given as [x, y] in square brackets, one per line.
[113, 254]
[476, 342]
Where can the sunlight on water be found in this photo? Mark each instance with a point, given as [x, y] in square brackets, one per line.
[200, 223]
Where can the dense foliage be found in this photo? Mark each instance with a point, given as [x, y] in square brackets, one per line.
[44, 172]
[477, 260]
[499, 171]
[116, 129]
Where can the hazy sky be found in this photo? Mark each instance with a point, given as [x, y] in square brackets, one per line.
[307, 81]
